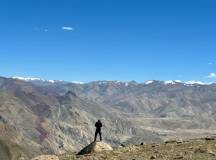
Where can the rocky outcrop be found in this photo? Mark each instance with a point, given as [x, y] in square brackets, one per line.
[95, 147]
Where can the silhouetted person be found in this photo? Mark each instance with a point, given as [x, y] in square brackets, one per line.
[98, 126]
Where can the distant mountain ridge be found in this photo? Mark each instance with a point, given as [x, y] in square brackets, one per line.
[191, 82]
[59, 117]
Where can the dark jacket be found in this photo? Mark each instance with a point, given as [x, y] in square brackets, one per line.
[98, 125]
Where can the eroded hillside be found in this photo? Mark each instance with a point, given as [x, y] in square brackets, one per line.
[58, 117]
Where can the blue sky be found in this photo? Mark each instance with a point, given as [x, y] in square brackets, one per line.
[125, 40]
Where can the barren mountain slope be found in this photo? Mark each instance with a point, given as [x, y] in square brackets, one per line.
[59, 117]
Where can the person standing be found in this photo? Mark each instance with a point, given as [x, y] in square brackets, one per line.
[98, 126]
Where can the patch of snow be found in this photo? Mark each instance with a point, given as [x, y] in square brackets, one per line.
[78, 82]
[126, 84]
[195, 82]
[51, 81]
[172, 82]
[178, 81]
[149, 82]
[28, 78]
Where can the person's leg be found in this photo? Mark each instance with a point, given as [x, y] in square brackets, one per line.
[95, 135]
[100, 135]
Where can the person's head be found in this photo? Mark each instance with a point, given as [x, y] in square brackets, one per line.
[99, 121]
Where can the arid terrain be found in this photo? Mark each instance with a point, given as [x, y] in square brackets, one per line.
[57, 117]
[195, 149]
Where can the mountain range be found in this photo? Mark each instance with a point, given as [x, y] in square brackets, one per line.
[46, 116]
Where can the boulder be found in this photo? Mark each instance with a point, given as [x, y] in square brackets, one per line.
[95, 147]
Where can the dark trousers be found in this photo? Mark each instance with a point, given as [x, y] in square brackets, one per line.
[96, 133]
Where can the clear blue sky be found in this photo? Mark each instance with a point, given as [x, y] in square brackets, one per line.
[108, 39]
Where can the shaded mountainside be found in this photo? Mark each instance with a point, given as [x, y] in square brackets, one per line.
[59, 117]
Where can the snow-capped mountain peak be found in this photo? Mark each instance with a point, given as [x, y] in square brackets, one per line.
[196, 82]
[149, 82]
[169, 82]
[28, 78]
[172, 82]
